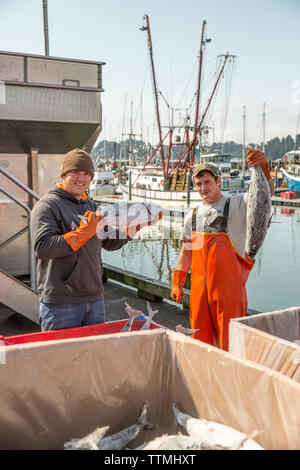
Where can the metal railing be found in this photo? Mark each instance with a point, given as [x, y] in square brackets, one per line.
[32, 261]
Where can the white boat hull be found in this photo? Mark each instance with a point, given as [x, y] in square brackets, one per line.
[167, 197]
[293, 181]
[105, 190]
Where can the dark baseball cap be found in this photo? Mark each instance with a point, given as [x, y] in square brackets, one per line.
[206, 167]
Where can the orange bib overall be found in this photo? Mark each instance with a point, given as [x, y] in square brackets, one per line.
[218, 277]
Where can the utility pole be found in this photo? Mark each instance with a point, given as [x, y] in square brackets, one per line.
[46, 36]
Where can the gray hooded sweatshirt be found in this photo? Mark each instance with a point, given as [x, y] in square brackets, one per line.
[65, 276]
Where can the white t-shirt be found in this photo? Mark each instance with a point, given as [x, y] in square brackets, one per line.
[209, 216]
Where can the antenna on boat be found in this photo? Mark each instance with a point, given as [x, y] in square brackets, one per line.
[46, 36]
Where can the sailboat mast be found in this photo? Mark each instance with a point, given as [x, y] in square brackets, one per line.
[198, 92]
[143, 28]
[131, 134]
[213, 92]
[189, 145]
[244, 140]
[264, 126]
[123, 123]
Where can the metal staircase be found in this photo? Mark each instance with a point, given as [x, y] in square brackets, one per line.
[14, 293]
[18, 296]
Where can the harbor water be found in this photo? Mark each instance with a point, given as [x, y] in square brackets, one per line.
[273, 283]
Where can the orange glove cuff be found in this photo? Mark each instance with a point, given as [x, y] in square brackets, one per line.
[178, 281]
[257, 157]
[266, 170]
[132, 230]
[83, 233]
[179, 278]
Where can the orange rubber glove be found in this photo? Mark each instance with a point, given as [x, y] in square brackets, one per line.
[131, 230]
[257, 157]
[84, 232]
[178, 281]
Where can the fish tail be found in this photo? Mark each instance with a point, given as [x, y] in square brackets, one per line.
[143, 417]
[247, 438]
[180, 418]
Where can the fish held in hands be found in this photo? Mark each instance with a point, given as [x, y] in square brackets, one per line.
[259, 206]
[131, 213]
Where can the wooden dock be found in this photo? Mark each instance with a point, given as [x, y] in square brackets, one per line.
[150, 289]
[292, 203]
[178, 213]
[147, 288]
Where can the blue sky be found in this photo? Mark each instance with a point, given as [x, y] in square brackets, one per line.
[262, 34]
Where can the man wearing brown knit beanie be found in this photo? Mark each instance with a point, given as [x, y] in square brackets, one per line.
[64, 224]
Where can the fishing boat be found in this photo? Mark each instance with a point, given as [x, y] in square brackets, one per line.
[150, 184]
[293, 181]
[171, 182]
[291, 169]
[103, 184]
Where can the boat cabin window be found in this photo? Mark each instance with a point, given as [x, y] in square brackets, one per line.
[154, 179]
[103, 181]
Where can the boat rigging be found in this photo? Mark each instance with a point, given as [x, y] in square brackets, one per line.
[186, 158]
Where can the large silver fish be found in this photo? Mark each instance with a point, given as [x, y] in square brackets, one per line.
[123, 214]
[172, 442]
[131, 213]
[88, 442]
[213, 435]
[95, 440]
[258, 210]
[119, 440]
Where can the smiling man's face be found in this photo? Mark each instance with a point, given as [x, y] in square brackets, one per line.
[208, 187]
[76, 183]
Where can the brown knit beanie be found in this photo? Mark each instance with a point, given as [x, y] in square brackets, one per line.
[77, 160]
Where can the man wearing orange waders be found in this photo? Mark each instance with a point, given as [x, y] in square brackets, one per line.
[213, 243]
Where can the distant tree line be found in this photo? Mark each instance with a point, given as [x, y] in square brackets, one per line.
[274, 148]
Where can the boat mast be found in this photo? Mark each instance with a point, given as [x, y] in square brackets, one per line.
[244, 139]
[214, 90]
[186, 154]
[264, 127]
[147, 28]
[122, 143]
[202, 43]
[132, 139]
